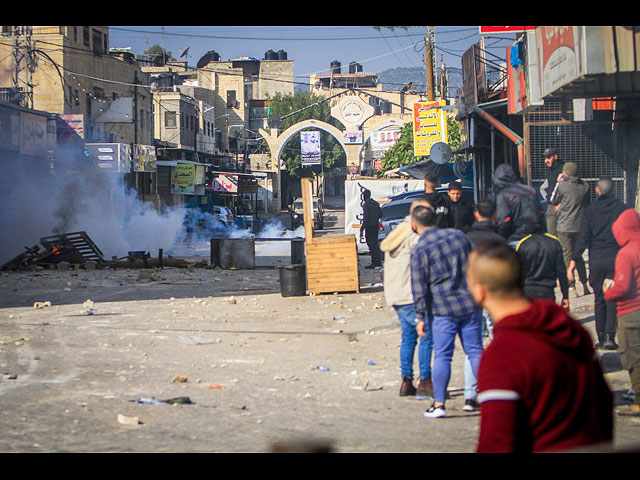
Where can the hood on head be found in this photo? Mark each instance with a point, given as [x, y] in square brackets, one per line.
[504, 175]
[627, 227]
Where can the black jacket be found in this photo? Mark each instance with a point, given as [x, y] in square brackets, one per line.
[462, 214]
[551, 179]
[543, 262]
[484, 232]
[518, 209]
[441, 204]
[372, 213]
[595, 229]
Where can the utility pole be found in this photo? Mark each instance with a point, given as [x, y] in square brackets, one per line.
[22, 60]
[429, 54]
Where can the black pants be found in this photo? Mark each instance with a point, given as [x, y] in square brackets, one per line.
[605, 312]
[371, 235]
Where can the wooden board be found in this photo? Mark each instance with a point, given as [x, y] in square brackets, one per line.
[332, 264]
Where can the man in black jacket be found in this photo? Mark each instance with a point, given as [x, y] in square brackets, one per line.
[443, 211]
[544, 266]
[462, 211]
[518, 210]
[372, 213]
[484, 229]
[596, 236]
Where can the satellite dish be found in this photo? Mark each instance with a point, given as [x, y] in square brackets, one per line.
[185, 53]
[440, 153]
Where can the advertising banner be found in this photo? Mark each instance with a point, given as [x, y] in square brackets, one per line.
[429, 126]
[144, 159]
[183, 177]
[226, 184]
[383, 140]
[310, 147]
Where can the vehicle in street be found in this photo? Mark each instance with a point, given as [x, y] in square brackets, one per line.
[223, 215]
[297, 217]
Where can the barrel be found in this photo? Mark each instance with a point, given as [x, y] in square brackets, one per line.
[293, 281]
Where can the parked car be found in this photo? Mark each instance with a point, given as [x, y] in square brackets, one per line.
[297, 217]
[395, 211]
[223, 215]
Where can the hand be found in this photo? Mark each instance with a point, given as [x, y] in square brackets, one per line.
[560, 177]
[570, 276]
[565, 303]
[420, 328]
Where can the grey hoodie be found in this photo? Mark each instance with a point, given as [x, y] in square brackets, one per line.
[572, 194]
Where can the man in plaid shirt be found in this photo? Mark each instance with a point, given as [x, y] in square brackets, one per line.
[442, 301]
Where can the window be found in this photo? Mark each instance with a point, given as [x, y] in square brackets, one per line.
[170, 119]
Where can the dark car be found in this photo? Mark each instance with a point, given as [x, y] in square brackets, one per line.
[297, 217]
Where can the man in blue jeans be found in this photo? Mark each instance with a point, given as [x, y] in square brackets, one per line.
[441, 298]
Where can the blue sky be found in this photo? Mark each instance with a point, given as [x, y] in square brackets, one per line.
[312, 48]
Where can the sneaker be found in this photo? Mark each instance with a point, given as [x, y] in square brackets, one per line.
[470, 405]
[630, 411]
[435, 412]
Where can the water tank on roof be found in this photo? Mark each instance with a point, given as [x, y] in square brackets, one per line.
[355, 67]
[336, 68]
[270, 55]
[282, 55]
[210, 56]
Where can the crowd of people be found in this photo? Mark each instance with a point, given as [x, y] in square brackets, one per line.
[487, 272]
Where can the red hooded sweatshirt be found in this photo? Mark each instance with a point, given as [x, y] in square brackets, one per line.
[626, 230]
[540, 385]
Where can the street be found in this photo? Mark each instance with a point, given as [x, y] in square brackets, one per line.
[252, 371]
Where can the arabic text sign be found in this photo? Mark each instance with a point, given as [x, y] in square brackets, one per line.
[504, 29]
[429, 126]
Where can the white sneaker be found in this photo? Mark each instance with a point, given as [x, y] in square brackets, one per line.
[435, 412]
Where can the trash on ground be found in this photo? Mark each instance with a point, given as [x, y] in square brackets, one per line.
[180, 379]
[126, 420]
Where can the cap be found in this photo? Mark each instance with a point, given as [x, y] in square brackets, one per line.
[570, 168]
[549, 152]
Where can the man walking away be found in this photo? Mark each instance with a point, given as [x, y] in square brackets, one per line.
[372, 213]
[397, 247]
[554, 170]
[441, 298]
[540, 386]
[596, 236]
[462, 211]
[439, 202]
[571, 196]
[518, 209]
[624, 291]
[543, 263]
[484, 229]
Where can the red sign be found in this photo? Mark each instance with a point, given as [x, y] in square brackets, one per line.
[504, 29]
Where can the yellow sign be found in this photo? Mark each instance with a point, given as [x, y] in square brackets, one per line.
[429, 126]
[183, 178]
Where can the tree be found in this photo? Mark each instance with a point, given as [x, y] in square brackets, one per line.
[304, 106]
[156, 49]
[402, 153]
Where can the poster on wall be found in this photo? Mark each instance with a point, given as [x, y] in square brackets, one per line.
[183, 177]
[310, 147]
[429, 126]
[383, 140]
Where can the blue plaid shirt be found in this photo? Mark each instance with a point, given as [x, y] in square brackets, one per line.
[438, 274]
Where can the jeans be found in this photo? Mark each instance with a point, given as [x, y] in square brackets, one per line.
[407, 316]
[444, 331]
[470, 381]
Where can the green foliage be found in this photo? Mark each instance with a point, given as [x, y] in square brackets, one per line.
[402, 153]
[311, 106]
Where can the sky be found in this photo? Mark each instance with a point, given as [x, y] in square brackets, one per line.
[312, 48]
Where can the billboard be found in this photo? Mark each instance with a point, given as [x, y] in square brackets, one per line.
[429, 126]
[487, 30]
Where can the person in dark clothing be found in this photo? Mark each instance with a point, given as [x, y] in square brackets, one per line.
[596, 236]
[372, 213]
[462, 211]
[444, 214]
[543, 263]
[518, 209]
[484, 229]
[554, 170]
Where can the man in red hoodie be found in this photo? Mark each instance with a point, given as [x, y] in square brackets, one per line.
[624, 291]
[540, 385]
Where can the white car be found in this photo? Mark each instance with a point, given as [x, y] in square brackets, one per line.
[223, 215]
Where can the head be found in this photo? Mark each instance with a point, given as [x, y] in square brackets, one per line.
[420, 201]
[366, 194]
[431, 182]
[570, 169]
[494, 274]
[485, 210]
[550, 157]
[604, 186]
[423, 217]
[455, 191]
